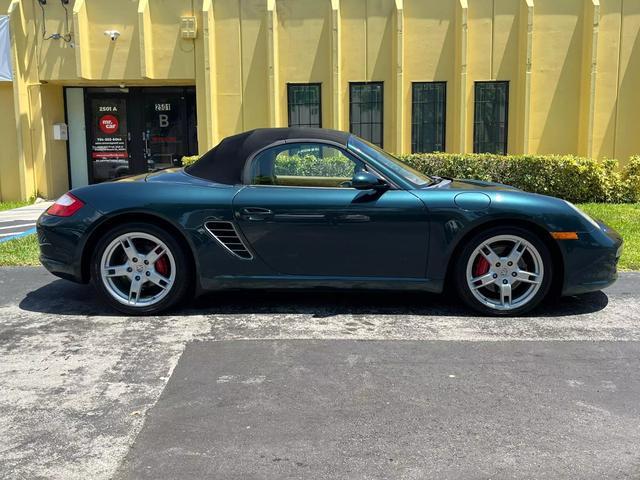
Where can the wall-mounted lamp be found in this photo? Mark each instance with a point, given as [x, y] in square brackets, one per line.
[112, 34]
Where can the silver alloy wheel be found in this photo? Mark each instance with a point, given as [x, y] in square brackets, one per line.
[128, 269]
[505, 272]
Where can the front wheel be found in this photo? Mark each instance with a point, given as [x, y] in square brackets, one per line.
[139, 269]
[504, 271]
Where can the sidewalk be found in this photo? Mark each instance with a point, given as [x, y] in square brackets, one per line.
[20, 222]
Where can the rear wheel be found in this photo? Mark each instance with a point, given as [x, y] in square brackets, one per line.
[140, 269]
[504, 271]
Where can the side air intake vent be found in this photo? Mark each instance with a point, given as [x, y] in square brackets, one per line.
[226, 234]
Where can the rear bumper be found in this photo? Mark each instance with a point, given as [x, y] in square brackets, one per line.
[62, 241]
[61, 269]
[591, 263]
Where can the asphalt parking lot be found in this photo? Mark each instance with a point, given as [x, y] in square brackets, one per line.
[316, 385]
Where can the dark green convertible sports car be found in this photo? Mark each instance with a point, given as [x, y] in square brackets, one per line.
[301, 208]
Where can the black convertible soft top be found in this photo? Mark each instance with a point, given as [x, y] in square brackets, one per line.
[224, 163]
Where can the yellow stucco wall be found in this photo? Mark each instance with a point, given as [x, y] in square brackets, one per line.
[54, 180]
[607, 80]
[573, 68]
[429, 27]
[9, 186]
[111, 60]
[304, 47]
[627, 138]
[241, 65]
[556, 80]
[367, 53]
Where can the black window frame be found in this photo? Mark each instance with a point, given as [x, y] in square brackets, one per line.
[476, 122]
[414, 125]
[291, 86]
[351, 105]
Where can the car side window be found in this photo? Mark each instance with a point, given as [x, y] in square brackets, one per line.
[304, 165]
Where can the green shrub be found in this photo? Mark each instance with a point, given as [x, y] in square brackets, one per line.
[631, 177]
[309, 166]
[577, 179]
[186, 161]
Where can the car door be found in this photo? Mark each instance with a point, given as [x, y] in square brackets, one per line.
[301, 216]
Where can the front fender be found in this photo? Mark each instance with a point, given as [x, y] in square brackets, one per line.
[452, 225]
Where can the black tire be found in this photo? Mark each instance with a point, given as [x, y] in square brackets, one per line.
[460, 270]
[178, 290]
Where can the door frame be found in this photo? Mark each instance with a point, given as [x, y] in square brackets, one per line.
[135, 100]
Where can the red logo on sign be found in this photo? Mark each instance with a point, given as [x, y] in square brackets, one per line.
[108, 124]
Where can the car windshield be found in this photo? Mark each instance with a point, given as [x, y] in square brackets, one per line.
[378, 155]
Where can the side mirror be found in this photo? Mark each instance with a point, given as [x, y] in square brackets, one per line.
[368, 181]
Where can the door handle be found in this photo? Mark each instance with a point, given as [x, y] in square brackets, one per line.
[255, 214]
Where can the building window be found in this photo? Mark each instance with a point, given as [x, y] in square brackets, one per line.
[428, 116]
[491, 117]
[365, 111]
[304, 101]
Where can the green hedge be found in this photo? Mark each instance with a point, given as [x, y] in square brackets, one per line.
[186, 161]
[577, 179]
[309, 166]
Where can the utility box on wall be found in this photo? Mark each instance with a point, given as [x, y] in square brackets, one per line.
[188, 28]
[60, 131]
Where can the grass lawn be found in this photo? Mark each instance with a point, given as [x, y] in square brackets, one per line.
[10, 205]
[623, 218]
[21, 251]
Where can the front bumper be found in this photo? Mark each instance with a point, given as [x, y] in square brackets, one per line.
[591, 263]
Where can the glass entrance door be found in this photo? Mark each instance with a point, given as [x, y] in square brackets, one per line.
[165, 129]
[108, 136]
[138, 130]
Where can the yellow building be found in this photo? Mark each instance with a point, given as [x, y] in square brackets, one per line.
[139, 83]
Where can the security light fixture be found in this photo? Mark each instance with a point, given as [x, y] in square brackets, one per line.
[112, 34]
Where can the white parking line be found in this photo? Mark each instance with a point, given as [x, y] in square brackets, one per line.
[25, 215]
[17, 226]
[6, 237]
[12, 234]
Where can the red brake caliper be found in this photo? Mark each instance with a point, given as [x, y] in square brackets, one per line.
[162, 266]
[481, 267]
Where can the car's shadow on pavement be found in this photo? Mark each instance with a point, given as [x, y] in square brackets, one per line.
[65, 298]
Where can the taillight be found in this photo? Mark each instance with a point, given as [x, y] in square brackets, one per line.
[65, 206]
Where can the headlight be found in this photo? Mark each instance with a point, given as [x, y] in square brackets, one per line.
[584, 215]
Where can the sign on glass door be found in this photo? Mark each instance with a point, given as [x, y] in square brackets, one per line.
[109, 139]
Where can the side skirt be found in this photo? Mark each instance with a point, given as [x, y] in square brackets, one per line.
[227, 282]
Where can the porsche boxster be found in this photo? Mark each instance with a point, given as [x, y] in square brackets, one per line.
[314, 208]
